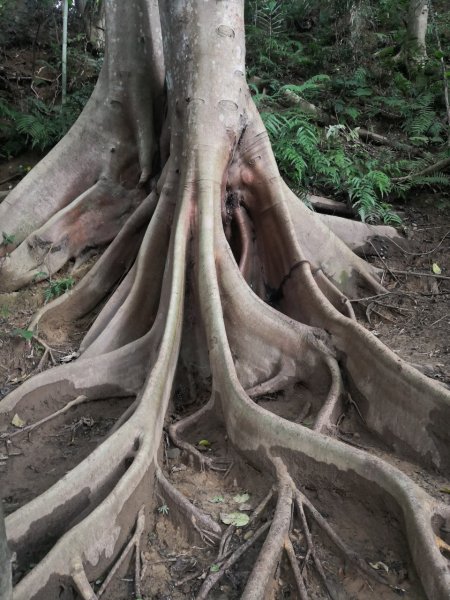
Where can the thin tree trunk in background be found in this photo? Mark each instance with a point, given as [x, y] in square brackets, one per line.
[5, 562]
[443, 68]
[417, 28]
[64, 51]
[93, 16]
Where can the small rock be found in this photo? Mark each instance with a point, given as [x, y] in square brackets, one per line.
[173, 453]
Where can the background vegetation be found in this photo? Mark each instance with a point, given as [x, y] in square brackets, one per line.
[351, 112]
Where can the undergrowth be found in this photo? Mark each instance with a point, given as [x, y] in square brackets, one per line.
[39, 125]
[313, 119]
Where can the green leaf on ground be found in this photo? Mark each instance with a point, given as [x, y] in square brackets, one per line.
[241, 498]
[217, 499]
[237, 519]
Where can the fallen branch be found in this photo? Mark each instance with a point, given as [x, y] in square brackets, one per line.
[29, 428]
[441, 165]
[135, 541]
[292, 99]
[419, 274]
[213, 578]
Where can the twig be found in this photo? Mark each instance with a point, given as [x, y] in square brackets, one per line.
[10, 178]
[420, 274]
[296, 570]
[419, 253]
[78, 400]
[135, 541]
[310, 543]
[383, 261]
[213, 578]
[441, 319]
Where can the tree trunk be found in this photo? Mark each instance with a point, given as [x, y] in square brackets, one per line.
[93, 15]
[215, 270]
[5, 562]
[417, 29]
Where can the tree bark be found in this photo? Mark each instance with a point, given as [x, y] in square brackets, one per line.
[417, 29]
[5, 562]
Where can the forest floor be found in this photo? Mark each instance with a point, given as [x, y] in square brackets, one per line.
[413, 319]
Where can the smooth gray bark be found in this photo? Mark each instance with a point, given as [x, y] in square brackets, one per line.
[417, 27]
[5, 562]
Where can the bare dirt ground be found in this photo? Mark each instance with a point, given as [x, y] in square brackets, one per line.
[413, 318]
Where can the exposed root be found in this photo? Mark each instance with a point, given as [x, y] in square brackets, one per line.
[213, 578]
[92, 220]
[301, 588]
[313, 553]
[307, 337]
[266, 563]
[204, 462]
[209, 531]
[113, 265]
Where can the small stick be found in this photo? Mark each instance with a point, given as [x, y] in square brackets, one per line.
[209, 531]
[61, 411]
[350, 554]
[441, 319]
[420, 253]
[310, 543]
[213, 578]
[261, 506]
[135, 541]
[296, 569]
[420, 274]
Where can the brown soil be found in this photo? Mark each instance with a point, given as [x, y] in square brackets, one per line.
[413, 320]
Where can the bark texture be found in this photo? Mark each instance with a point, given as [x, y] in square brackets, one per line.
[213, 268]
[5, 561]
[417, 28]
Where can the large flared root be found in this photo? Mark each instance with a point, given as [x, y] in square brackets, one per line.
[218, 254]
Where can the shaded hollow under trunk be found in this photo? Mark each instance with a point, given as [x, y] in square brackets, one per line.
[215, 270]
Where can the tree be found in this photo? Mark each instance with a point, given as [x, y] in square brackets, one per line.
[417, 29]
[220, 273]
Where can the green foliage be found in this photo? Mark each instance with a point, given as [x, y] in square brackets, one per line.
[7, 239]
[320, 149]
[333, 159]
[40, 126]
[25, 334]
[58, 287]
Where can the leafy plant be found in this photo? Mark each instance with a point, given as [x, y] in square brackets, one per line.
[7, 239]
[58, 287]
[163, 509]
[25, 334]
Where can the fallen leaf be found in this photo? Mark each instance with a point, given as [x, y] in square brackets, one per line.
[442, 545]
[17, 421]
[204, 443]
[69, 357]
[237, 519]
[240, 498]
[379, 565]
[217, 499]
[436, 269]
